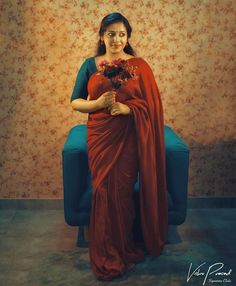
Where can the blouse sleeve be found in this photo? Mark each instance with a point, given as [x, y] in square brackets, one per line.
[80, 87]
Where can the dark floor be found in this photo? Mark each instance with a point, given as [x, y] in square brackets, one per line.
[38, 248]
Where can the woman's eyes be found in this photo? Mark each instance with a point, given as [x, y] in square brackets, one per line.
[112, 34]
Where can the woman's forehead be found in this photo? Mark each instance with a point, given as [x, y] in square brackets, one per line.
[117, 27]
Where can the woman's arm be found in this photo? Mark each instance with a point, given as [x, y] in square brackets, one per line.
[84, 105]
[106, 100]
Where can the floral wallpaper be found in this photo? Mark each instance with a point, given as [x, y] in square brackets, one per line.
[191, 47]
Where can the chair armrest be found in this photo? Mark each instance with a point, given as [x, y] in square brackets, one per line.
[177, 167]
[75, 171]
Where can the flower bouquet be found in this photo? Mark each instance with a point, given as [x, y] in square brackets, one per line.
[118, 71]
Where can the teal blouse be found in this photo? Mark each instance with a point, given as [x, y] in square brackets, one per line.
[80, 88]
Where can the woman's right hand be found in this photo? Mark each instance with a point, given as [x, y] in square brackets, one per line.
[106, 100]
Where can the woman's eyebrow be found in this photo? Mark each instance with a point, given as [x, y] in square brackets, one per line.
[116, 31]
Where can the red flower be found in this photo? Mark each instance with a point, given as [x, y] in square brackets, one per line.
[118, 71]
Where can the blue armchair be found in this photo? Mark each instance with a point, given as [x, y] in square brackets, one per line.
[78, 188]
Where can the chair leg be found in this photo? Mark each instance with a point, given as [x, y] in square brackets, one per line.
[173, 235]
[82, 239]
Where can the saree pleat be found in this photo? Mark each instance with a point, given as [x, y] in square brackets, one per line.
[111, 244]
[119, 148]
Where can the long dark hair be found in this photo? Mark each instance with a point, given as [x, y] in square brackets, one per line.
[108, 20]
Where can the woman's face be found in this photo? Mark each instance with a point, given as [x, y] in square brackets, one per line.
[115, 38]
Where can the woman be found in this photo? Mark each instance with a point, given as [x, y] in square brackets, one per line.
[125, 139]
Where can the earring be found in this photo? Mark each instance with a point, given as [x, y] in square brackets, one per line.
[101, 42]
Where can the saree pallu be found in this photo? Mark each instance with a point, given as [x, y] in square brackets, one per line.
[120, 147]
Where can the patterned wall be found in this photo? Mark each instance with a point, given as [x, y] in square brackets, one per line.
[191, 47]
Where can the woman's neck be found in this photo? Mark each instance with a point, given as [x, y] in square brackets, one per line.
[112, 57]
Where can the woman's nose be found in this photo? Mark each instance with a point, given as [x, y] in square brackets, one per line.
[115, 39]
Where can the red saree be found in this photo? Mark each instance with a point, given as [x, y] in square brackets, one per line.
[118, 148]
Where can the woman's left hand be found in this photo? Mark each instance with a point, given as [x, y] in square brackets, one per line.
[119, 108]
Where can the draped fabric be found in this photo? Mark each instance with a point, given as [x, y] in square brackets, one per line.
[119, 148]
